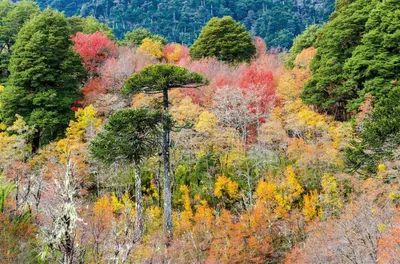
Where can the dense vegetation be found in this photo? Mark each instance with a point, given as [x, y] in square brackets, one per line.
[144, 151]
[223, 39]
[358, 65]
[278, 22]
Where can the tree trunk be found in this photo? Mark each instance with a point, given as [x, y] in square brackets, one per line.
[168, 226]
[36, 142]
[138, 232]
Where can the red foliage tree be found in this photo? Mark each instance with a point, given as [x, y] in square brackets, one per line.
[258, 83]
[93, 88]
[94, 49]
[174, 52]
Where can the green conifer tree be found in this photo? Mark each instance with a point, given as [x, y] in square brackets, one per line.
[224, 39]
[338, 39]
[46, 75]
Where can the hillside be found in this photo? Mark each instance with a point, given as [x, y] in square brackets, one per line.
[278, 22]
[142, 150]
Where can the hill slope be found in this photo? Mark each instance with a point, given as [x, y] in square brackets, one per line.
[278, 22]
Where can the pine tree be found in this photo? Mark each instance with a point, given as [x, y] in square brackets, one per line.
[46, 75]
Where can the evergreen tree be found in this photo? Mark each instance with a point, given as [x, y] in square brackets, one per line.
[375, 64]
[224, 39]
[380, 138]
[12, 17]
[129, 136]
[160, 79]
[46, 75]
[338, 39]
[374, 68]
[89, 25]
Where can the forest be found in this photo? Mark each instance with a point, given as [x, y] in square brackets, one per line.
[138, 149]
[277, 22]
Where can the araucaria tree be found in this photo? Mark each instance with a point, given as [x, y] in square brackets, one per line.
[159, 79]
[129, 136]
[225, 39]
[46, 75]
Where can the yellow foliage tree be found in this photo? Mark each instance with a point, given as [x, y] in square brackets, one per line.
[226, 187]
[265, 191]
[85, 125]
[330, 198]
[151, 47]
[287, 193]
[186, 215]
[186, 111]
[310, 207]
[13, 142]
[77, 134]
[207, 123]
[293, 187]
[203, 218]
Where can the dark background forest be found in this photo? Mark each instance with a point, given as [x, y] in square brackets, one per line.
[277, 21]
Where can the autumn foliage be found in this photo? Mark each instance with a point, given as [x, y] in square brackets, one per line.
[257, 175]
[174, 52]
[94, 49]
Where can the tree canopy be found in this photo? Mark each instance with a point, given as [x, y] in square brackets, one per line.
[225, 39]
[339, 37]
[46, 75]
[128, 136]
[12, 17]
[277, 22]
[155, 78]
[136, 37]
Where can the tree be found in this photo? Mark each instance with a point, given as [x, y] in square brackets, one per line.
[379, 138]
[305, 40]
[224, 39]
[373, 72]
[89, 25]
[231, 106]
[45, 77]
[151, 47]
[374, 66]
[174, 52]
[338, 39]
[94, 49]
[136, 37]
[60, 236]
[12, 17]
[159, 79]
[129, 136]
